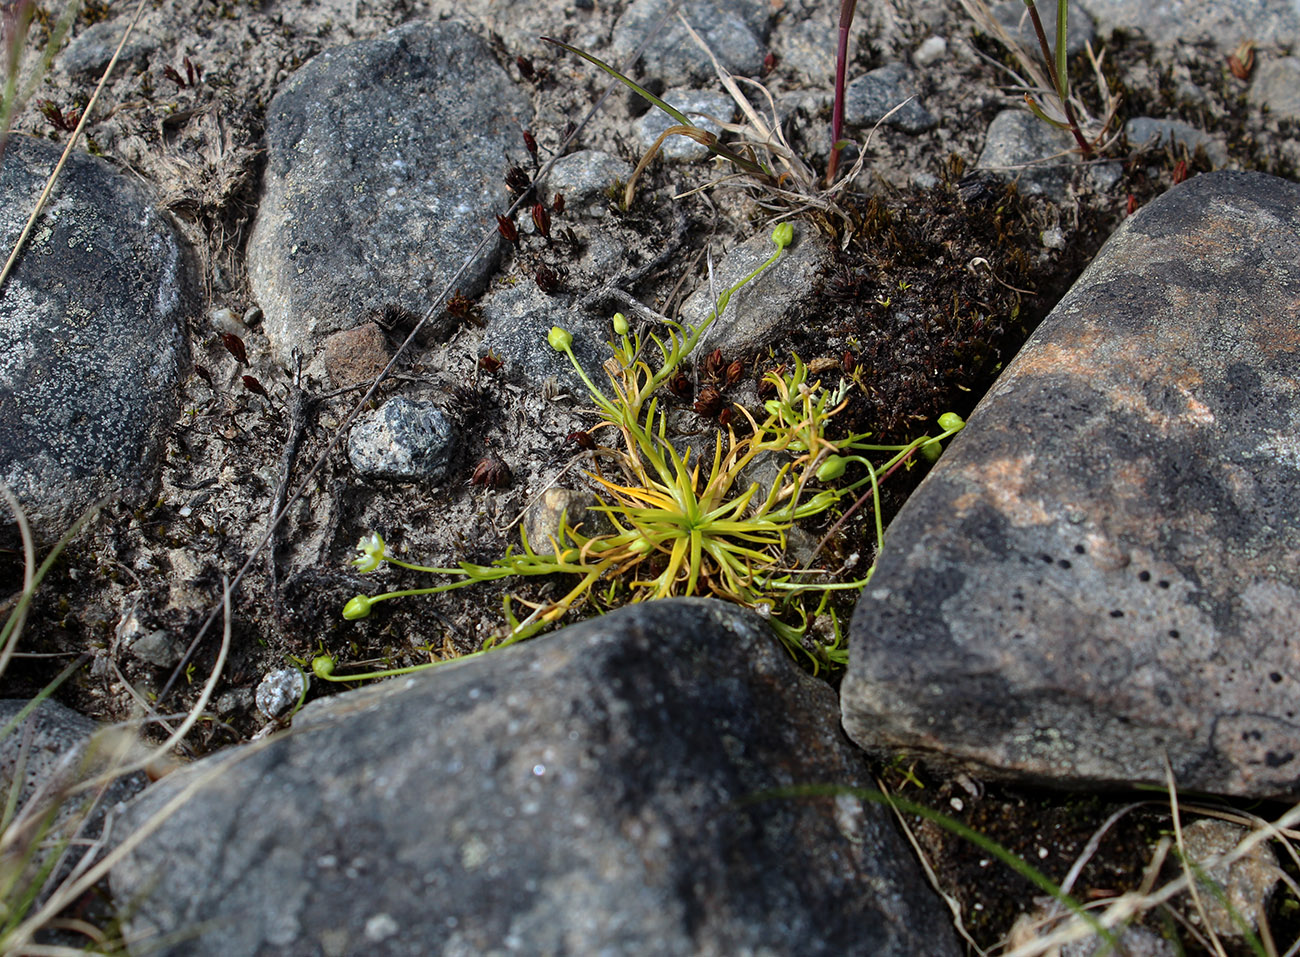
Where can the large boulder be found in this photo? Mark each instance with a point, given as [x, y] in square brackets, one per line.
[600, 790]
[1103, 572]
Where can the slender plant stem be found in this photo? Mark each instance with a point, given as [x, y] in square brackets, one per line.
[847, 9]
[1058, 82]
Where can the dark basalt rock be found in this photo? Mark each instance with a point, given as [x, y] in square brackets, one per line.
[1104, 570]
[589, 792]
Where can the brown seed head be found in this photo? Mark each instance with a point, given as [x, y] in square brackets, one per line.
[490, 363]
[490, 472]
[517, 180]
[542, 220]
[547, 279]
[582, 440]
[235, 346]
[714, 364]
[709, 404]
[506, 227]
[530, 143]
[735, 371]
[680, 386]
[558, 204]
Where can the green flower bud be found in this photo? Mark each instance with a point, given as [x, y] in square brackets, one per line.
[950, 421]
[620, 324]
[783, 235]
[358, 607]
[322, 666]
[832, 468]
[560, 339]
[930, 451]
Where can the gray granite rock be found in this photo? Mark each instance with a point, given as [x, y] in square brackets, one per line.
[50, 751]
[735, 31]
[691, 102]
[755, 315]
[585, 177]
[587, 792]
[1277, 86]
[405, 439]
[91, 49]
[92, 342]
[519, 317]
[871, 96]
[1022, 147]
[1014, 17]
[1223, 23]
[1104, 569]
[385, 161]
[1148, 130]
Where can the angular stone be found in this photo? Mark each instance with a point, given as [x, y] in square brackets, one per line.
[735, 31]
[871, 97]
[1145, 131]
[594, 791]
[1277, 87]
[1014, 17]
[92, 345]
[385, 160]
[1104, 569]
[693, 103]
[755, 315]
[1022, 147]
[586, 176]
[405, 439]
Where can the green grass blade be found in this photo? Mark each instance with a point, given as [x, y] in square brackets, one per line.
[748, 166]
[1062, 24]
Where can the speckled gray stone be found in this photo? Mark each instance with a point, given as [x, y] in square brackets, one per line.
[587, 792]
[585, 177]
[871, 96]
[57, 748]
[91, 335]
[1021, 147]
[1147, 130]
[279, 690]
[385, 159]
[735, 30]
[1104, 569]
[691, 102]
[1223, 23]
[91, 49]
[755, 315]
[1276, 86]
[407, 439]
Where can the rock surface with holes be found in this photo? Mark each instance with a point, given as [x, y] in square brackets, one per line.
[1104, 570]
[595, 791]
[382, 157]
[92, 346]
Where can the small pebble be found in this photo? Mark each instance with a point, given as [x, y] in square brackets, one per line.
[930, 52]
[1053, 238]
[279, 691]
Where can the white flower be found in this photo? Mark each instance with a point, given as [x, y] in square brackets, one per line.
[372, 556]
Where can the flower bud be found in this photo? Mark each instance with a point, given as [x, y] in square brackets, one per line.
[620, 324]
[951, 421]
[322, 666]
[358, 607]
[783, 235]
[930, 451]
[561, 340]
[832, 468]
